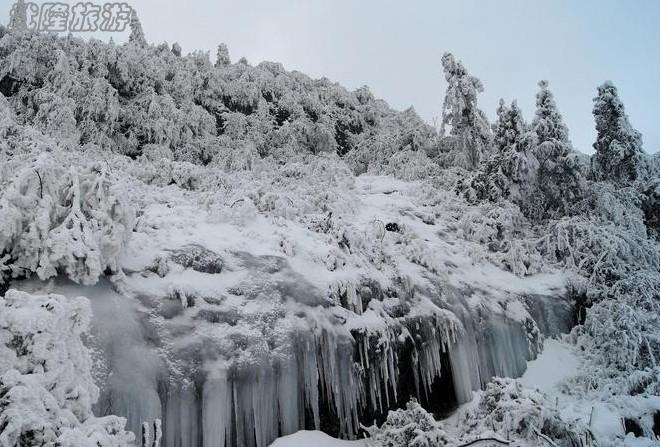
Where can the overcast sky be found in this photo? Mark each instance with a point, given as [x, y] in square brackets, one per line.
[395, 48]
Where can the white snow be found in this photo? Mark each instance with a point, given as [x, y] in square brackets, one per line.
[556, 363]
[315, 439]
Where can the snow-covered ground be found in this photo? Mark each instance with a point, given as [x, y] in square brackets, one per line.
[557, 362]
[315, 439]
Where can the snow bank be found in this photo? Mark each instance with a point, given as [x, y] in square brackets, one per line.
[316, 439]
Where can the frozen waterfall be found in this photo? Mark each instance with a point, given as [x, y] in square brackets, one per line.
[332, 375]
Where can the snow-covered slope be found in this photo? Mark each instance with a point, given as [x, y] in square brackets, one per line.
[236, 321]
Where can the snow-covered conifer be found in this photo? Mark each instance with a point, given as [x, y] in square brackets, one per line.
[137, 34]
[18, 20]
[468, 124]
[222, 56]
[560, 181]
[619, 155]
[510, 172]
[176, 49]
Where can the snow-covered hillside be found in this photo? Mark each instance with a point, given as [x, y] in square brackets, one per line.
[263, 254]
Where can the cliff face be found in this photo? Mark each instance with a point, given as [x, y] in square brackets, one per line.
[244, 330]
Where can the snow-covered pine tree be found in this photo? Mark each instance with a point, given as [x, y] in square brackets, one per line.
[18, 17]
[619, 155]
[510, 173]
[137, 34]
[560, 182]
[222, 56]
[176, 49]
[468, 124]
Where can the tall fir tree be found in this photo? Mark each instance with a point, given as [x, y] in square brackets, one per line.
[222, 56]
[619, 155]
[468, 124]
[560, 182]
[137, 34]
[510, 172]
[18, 20]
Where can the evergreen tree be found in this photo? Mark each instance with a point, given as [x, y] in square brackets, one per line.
[18, 16]
[560, 182]
[176, 49]
[469, 125]
[510, 172]
[137, 34]
[619, 156]
[222, 57]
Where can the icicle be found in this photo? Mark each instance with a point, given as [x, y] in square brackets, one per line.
[146, 437]
[289, 402]
[216, 409]
[158, 433]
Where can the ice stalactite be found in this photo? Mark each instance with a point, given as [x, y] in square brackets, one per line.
[345, 293]
[378, 359]
[492, 346]
[216, 409]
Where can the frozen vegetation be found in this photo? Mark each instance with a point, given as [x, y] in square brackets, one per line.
[264, 253]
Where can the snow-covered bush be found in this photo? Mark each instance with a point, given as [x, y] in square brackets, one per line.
[409, 427]
[603, 254]
[624, 331]
[509, 410]
[56, 219]
[46, 387]
[651, 205]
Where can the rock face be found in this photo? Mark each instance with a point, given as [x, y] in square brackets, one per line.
[198, 259]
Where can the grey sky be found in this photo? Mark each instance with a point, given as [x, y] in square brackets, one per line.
[395, 47]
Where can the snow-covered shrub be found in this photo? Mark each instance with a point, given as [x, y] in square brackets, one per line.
[489, 223]
[509, 410]
[601, 253]
[611, 204]
[651, 205]
[624, 331]
[46, 387]
[410, 165]
[409, 427]
[58, 219]
[164, 171]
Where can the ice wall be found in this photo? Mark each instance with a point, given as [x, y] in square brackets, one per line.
[335, 365]
[348, 371]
